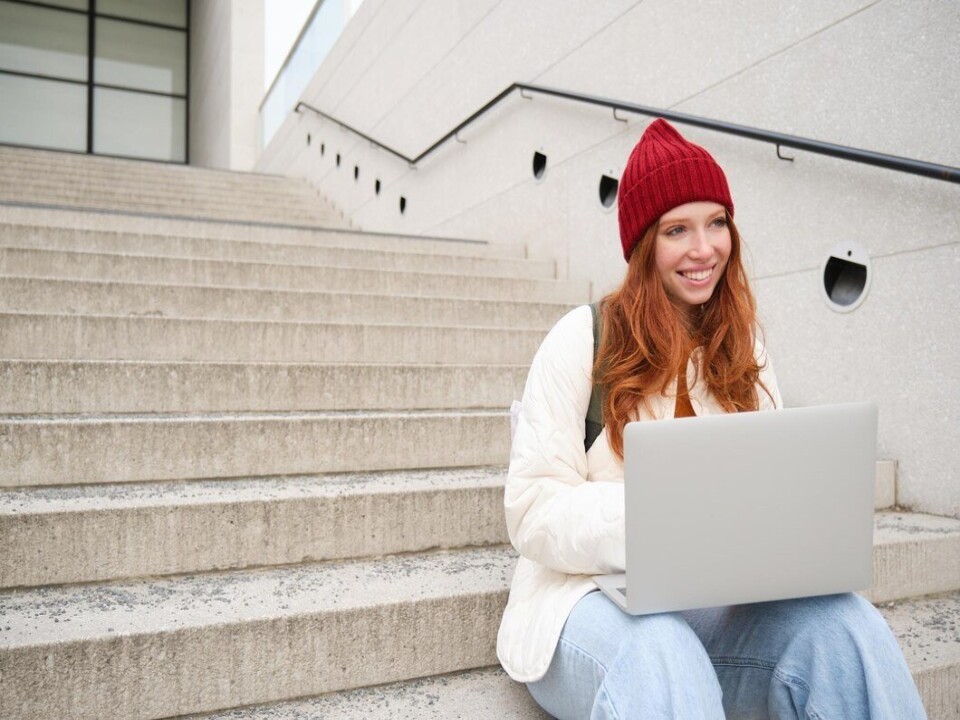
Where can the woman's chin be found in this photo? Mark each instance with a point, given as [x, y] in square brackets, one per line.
[693, 296]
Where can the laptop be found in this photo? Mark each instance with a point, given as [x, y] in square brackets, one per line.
[747, 507]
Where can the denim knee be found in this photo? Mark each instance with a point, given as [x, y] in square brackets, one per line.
[845, 662]
[609, 664]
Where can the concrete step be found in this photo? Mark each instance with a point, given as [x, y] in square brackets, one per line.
[43, 450]
[197, 644]
[85, 187]
[143, 172]
[926, 628]
[62, 265]
[82, 183]
[84, 297]
[179, 202]
[90, 188]
[98, 533]
[472, 695]
[118, 170]
[103, 532]
[174, 646]
[395, 258]
[85, 337]
[185, 207]
[67, 387]
[334, 234]
[920, 556]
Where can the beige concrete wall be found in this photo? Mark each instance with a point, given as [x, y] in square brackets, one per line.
[226, 82]
[874, 74]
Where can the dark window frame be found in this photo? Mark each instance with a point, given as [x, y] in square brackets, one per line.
[92, 84]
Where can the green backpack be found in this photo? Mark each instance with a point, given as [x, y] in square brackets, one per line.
[594, 421]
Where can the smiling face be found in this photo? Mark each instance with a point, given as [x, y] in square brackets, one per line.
[692, 248]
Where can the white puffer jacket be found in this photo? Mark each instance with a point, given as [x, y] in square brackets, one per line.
[564, 507]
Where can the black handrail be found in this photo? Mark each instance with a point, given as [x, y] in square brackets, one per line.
[867, 157]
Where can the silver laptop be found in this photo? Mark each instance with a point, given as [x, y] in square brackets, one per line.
[731, 509]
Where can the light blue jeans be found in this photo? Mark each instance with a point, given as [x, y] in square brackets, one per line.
[821, 658]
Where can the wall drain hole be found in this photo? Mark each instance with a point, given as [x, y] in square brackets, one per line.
[608, 191]
[539, 165]
[323, 149]
[338, 159]
[376, 186]
[403, 204]
[846, 277]
[308, 139]
[356, 172]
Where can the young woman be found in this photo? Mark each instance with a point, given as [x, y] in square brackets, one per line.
[679, 339]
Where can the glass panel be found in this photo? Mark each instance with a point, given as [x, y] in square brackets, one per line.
[43, 113]
[75, 4]
[322, 32]
[141, 57]
[138, 125]
[42, 41]
[168, 12]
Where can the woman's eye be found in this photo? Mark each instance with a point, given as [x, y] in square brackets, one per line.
[720, 222]
[676, 230]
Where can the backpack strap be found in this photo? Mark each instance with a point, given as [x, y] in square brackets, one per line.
[594, 420]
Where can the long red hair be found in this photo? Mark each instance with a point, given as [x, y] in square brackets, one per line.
[645, 340]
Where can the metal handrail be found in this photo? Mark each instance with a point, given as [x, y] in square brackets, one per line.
[867, 157]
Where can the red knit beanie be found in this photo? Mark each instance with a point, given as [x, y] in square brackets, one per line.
[664, 171]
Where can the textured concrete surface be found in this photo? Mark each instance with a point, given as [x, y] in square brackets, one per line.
[115, 171]
[64, 186]
[194, 271]
[133, 223]
[392, 257]
[137, 620]
[928, 630]
[26, 336]
[129, 448]
[473, 695]
[38, 165]
[65, 176]
[899, 349]
[914, 554]
[38, 177]
[885, 486]
[37, 295]
[101, 532]
[84, 386]
[153, 197]
[171, 647]
[245, 201]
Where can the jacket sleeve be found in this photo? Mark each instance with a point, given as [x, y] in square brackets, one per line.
[555, 517]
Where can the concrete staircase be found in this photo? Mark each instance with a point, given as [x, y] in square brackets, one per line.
[249, 456]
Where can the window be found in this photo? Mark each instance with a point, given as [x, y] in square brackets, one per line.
[106, 80]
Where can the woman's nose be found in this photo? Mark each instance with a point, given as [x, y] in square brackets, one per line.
[699, 244]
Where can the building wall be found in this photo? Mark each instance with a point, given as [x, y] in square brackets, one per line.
[871, 74]
[226, 82]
